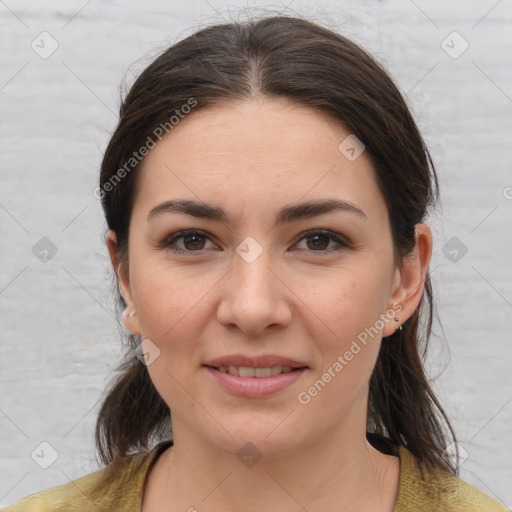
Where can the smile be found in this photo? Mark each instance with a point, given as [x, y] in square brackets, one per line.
[260, 373]
[250, 382]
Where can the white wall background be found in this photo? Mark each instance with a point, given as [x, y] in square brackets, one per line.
[59, 338]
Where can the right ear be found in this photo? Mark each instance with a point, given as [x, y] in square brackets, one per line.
[123, 279]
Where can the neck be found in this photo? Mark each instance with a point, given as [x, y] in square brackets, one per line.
[327, 473]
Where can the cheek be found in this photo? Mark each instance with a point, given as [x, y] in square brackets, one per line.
[349, 348]
[345, 304]
[169, 299]
[172, 315]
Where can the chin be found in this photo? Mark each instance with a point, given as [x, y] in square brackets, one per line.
[256, 440]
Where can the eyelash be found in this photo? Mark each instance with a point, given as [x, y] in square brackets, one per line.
[169, 242]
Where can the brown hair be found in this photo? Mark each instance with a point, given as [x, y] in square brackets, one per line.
[300, 60]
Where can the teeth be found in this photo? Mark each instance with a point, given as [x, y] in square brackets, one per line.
[261, 373]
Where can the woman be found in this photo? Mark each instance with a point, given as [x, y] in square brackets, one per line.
[265, 192]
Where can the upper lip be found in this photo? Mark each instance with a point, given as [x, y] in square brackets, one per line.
[264, 361]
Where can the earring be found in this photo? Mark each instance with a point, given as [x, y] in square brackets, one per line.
[399, 328]
[133, 313]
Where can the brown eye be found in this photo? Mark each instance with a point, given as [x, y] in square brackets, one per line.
[190, 241]
[193, 241]
[318, 241]
[186, 242]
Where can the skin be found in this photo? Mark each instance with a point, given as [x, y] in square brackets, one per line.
[294, 300]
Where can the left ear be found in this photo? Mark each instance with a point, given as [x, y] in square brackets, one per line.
[409, 280]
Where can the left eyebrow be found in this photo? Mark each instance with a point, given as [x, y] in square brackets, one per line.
[286, 214]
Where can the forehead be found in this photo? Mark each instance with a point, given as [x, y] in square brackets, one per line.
[259, 153]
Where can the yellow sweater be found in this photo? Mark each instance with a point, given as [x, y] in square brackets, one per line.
[438, 491]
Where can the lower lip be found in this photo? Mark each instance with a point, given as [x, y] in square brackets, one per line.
[254, 387]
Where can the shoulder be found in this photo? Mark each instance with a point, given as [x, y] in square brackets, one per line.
[115, 487]
[438, 490]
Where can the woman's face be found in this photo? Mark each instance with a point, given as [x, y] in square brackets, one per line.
[260, 282]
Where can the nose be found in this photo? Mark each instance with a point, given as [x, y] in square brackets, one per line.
[254, 298]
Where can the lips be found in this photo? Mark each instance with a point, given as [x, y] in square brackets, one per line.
[252, 386]
[255, 377]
